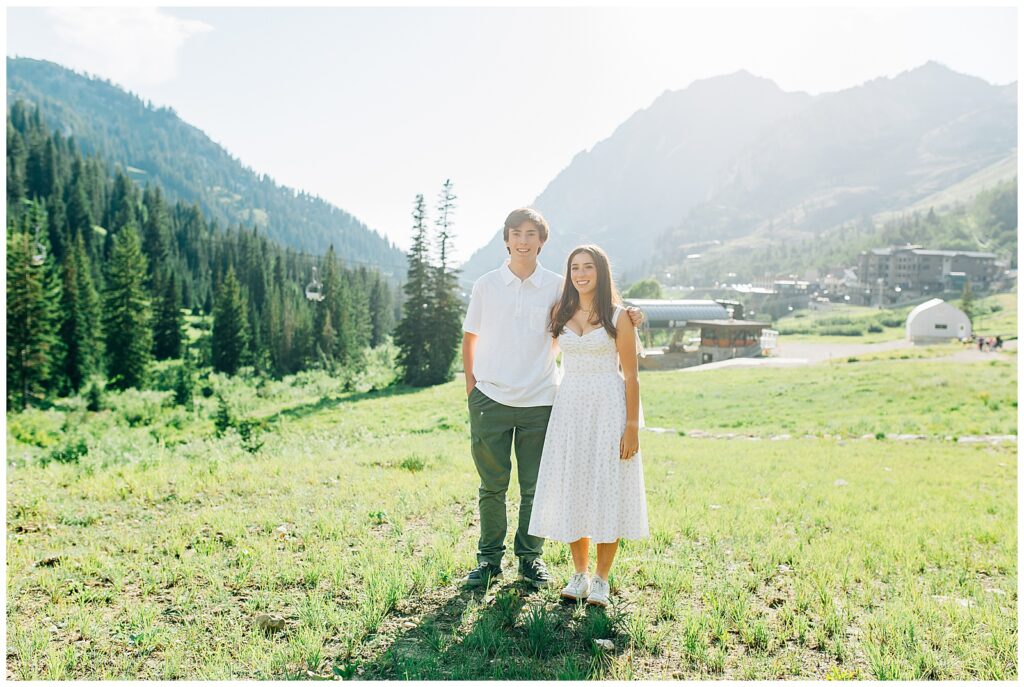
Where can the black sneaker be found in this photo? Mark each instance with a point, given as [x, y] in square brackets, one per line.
[534, 571]
[483, 575]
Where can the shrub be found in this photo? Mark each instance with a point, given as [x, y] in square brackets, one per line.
[163, 375]
[413, 464]
[139, 408]
[249, 430]
[842, 330]
[35, 427]
[183, 386]
[69, 452]
[94, 396]
[222, 420]
[380, 369]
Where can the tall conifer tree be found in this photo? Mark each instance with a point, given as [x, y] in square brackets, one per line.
[327, 316]
[412, 333]
[155, 232]
[81, 319]
[32, 342]
[382, 316]
[446, 323]
[126, 313]
[168, 325]
[230, 326]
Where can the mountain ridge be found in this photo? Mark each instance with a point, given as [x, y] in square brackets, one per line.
[154, 143]
[818, 162]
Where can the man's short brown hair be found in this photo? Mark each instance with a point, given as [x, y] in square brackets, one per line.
[517, 217]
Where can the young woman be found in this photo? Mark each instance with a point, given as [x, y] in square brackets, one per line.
[591, 482]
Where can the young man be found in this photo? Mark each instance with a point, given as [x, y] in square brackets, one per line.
[511, 379]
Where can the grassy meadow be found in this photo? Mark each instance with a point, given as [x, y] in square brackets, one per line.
[995, 314]
[326, 536]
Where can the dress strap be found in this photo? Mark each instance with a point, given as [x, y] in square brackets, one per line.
[615, 315]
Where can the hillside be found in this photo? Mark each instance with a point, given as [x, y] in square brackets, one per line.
[737, 158]
[155, 145]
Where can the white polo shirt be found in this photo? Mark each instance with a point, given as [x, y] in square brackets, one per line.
[515, 355]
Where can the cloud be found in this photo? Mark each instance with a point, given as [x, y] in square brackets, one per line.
[131, 45]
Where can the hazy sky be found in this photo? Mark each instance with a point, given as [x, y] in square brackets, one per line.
[367, 107]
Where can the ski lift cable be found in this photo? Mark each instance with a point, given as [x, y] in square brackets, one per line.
[220, 240]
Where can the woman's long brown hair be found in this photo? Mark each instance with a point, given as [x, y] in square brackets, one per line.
[605, 300]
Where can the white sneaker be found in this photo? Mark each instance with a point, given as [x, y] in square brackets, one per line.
[599, 592]
[578, 587]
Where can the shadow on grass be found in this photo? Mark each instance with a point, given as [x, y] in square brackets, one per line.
[331, 402]
[512, 633]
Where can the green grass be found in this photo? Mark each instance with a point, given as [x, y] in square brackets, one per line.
[151, 554]
[844, 324]
[996, 314]
[865, 396]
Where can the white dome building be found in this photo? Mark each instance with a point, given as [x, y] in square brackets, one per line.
[936, 320]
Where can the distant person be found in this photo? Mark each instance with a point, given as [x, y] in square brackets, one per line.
[981, 343]
[511, 379]
[591, 484]
[999, 343]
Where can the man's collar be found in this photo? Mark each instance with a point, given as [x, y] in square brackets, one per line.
[508, 276]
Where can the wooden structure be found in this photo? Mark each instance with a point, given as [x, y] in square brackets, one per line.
[701, 331]
[725, 339]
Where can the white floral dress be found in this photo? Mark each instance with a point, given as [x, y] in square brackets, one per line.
[583, 488]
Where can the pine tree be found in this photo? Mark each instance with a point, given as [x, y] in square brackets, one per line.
[327, 315]
[79, 329]
[31, 323]
[126, 313]
[16, 158]
[154, 231]
[41, 165]
[412, 333]
[79, 213]
[184, 379]
[354, 319]
[382, 316]
[169, 323]
[123, 210]
[58, 225]
[230, 327]
[446, 322]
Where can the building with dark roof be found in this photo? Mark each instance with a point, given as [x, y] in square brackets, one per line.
[723, 334]
[913, 268]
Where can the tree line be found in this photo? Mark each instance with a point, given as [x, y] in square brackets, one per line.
[159, 147]
[101, 273]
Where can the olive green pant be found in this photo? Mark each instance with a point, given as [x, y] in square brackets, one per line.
[494, 428]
